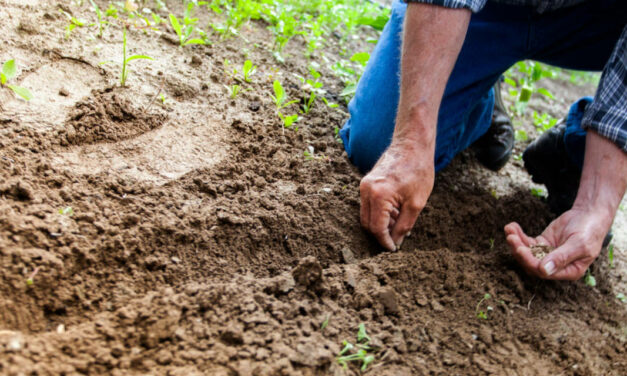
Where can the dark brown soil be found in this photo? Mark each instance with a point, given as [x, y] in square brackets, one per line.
[202, 242]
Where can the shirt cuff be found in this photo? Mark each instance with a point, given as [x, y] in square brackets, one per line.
[609, 122]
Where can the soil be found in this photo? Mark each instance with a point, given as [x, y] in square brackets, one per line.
[541, 250]
[201, 241]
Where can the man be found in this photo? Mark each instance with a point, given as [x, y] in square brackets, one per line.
[432, 73]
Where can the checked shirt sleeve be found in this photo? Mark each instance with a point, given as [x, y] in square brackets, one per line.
[473, 5]
[607, 114]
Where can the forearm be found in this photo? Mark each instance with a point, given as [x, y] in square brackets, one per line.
[432, 39]
[603, 179]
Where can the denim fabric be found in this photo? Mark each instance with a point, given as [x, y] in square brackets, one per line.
[577, 37]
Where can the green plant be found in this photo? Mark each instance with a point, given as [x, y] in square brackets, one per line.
[185, 31]
[8, 72]
[589, 279]
[101, 22]
[523, 77]
[234, 90]
[288, 120]
[31, 278]
[543, 122]
[67, 211]
[279, 97]
[325, 323]
[248, 69]
[479, 312]
[312, 88]
[620, 296]
[539, 192]
[73, 23]
[125, 60]
[610, 255]
[359, 352]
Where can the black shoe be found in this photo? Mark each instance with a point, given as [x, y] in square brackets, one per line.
[548, 163]
[494, 148]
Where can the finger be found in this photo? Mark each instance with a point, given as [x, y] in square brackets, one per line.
[523, 255]
[391, 224]
[515, 229]
[379, 223]
[394, 213]
[364, 209]
[567, 262]
[406, 219]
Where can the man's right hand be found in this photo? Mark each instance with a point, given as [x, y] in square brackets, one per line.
[394, 193]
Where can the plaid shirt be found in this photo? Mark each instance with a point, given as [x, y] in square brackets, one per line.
[607, 114]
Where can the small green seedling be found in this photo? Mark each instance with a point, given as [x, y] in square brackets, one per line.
[184, 32]
[336, 135]
[248, 69]
[358, 352]
[491, 243]
[234, 89]
[101, 21]
[73, 23]
[621, 297]
[279, 96]
[589, 279]
[31, 278]
[288, 120]
[329, 104]
[480, 313]
[324, 324]
[361, 58]
[67, 211]
[539, 192]
[125, 60]
[8, 72]
[610, 255]
[311, 86]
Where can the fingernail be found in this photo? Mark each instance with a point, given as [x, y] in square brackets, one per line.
[549, 267]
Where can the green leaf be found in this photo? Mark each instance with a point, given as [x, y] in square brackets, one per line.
[545, 92]
[8, 69]
[279, 92]
[194, 41]
[349, 90]
[361, 57]
[362, 334]
[22, 92]
[3, 79]
[175, 24]
[510, 82]
[135, 57]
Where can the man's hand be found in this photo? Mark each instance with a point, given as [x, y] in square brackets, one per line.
[578, 234]
[577, 237]
[397, 188]
[394, 193]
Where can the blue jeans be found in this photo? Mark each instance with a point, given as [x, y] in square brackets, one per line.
[580, 37]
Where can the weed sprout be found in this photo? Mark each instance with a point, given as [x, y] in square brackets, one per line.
[125, 60]
[8, 72]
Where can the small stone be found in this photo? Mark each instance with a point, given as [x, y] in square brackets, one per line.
[387, 298]
[61, 329]
[175, 259]
[436, 306]
[63, 92]
[348, 256]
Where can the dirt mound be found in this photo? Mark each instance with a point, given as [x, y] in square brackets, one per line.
[108, 116]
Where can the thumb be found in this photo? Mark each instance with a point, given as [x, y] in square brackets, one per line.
[561, 263]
